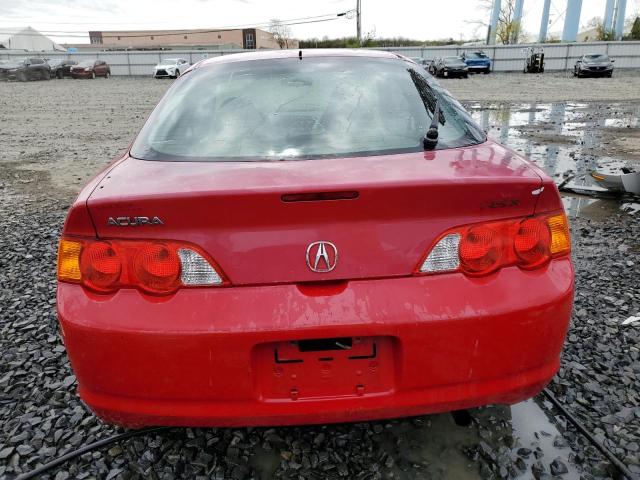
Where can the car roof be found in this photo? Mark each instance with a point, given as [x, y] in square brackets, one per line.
[295, 53]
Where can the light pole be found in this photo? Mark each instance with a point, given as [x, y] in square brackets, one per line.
[358, 23]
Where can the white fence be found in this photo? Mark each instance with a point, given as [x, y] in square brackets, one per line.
[558, 56]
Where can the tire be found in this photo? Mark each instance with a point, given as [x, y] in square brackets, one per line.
[609, 75]
[93, 75]
[22, 76]
[108, 74]
[59, 74]
[466, 75]
[487, 70]
[46, 75]
[177, 74]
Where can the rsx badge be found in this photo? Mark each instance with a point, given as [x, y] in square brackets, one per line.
[134, 221]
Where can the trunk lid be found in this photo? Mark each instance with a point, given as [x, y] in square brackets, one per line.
[236, 210]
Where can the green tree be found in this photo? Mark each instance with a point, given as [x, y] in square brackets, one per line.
[635, 30]
[601, 35]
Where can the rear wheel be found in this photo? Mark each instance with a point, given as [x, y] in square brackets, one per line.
[59, 74]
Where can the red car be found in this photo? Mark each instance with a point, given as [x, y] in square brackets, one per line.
[312, 237]
[91, 69]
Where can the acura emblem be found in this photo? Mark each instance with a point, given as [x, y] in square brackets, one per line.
[322, 256]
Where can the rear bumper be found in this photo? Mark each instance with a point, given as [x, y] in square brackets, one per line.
[455, 73]
[596, 73]
[479, 67]
[203, 357]
[80, 74]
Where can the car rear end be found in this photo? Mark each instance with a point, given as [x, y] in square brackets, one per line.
[478, 63]
[82, 70]
[250, 288]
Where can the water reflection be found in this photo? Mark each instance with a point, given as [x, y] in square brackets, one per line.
[564, 139]
[472, 447]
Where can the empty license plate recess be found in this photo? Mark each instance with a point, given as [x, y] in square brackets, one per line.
[324, 368]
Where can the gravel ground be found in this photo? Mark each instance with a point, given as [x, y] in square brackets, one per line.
[547, 87]
[56, 134]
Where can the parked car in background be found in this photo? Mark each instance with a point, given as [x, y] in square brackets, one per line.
[424, 63]
[312, 236]
[450, 67]
[477, 61]
[431, 66]
[25, 69]
[170, 68]
[91, 69]
[593, 65]
[61, 68]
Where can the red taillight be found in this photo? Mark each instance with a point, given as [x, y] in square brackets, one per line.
[480, 249]
[100, 266]
[155, 267]
[531, 242]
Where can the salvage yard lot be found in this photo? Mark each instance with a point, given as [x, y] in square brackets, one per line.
[55, 135]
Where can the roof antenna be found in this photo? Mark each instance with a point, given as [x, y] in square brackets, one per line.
[300, 54]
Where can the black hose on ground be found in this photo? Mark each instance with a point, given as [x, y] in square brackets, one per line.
[622, 468]
[87, 448]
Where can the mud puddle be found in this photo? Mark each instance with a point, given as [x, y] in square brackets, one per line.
[488, 442]
[569, 141]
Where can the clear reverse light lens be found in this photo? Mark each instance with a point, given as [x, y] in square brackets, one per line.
[444, 256]
[196, 270]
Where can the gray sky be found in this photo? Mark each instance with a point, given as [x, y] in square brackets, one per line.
[423, 20]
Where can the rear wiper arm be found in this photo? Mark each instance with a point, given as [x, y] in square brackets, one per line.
[430, 139]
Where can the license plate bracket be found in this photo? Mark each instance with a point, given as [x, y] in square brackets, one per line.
[324, 368]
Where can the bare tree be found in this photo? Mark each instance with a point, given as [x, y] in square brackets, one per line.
[281, 32]
[508, 30]
[601, 33]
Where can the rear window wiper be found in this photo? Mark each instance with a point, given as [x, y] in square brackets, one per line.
[430, 139]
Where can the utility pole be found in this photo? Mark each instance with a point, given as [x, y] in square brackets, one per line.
[544, 22]
[358, 23]
[493, 25]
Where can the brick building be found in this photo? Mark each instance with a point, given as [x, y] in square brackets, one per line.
[248, 38]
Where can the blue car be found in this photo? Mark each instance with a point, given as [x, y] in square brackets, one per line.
[477, 61]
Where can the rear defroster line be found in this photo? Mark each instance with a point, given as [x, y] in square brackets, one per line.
[615, 461]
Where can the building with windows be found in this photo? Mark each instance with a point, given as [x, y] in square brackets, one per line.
[247, 38]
